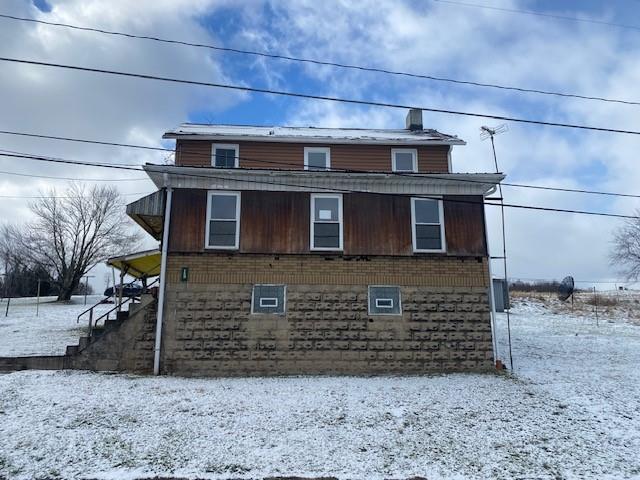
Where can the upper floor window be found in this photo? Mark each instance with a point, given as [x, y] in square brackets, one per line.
[404, 160]
[427, 225]
[225, 155]
[326, 221]
[317, 158]
[223, 220]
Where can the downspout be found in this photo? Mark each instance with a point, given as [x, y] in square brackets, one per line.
[163, 275]
[492, 301]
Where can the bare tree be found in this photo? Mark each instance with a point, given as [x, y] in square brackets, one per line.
[625, 253]
[73, 233]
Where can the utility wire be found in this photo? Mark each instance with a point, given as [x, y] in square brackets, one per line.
[350, 101]
[338, 190]
[323, 62]
[274, 162]
[539, 14]
[74, 178]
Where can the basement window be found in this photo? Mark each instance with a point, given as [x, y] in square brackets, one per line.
[268, 299]
[384, 300]
[223, 220]
[317, 158]
[326, 222]
[427, 225]
[404, 160]
[225, 155]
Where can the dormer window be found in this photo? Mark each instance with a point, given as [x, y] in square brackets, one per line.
[317, 158]
[224, 155]
[404, 160]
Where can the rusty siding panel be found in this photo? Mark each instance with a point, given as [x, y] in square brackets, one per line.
[279, 155]
[188, 218]
[377, 224]
[464, 225]
[274, 222]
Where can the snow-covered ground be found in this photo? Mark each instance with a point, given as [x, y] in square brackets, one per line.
[24, 333]
[571, 410]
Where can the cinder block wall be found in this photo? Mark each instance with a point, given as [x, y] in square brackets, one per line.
[209, 328]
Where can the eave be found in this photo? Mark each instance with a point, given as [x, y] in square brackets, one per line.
[237, 179]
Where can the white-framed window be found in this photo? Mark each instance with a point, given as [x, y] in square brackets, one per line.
[225, 155]
[404, 160]
[326, 221]
[269, 299]
[317, 158]
[427, 225]
[223, 220]
[384, 300]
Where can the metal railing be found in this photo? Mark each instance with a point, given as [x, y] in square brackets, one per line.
[119, 302]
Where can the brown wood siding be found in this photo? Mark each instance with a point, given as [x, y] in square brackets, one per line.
[188, 218]
[377, 224]
[464, 225]
[278, 223]
[278, 155]
[274, 222]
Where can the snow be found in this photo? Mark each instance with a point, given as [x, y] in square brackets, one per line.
[570, 411]
[281, 133]
[23, 333]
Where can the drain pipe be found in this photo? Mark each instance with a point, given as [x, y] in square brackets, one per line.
[163, 276]
[492, 298]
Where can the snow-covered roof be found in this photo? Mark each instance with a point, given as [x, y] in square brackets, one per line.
[312, 135]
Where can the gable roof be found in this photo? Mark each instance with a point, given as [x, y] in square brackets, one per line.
[312, 135]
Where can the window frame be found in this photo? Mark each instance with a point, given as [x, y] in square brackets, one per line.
[325, 150]
[210, 195]
[370, 313]
[340, 222]
[225, 146]
[414, 155]
[284, 298]
[443, 241]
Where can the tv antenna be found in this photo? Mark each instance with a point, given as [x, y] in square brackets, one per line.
[488, 132]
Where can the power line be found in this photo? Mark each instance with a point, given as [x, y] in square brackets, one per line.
[338, 190]
[273, 162]
[539, 14]
[322, 62]
[315, 97]
[74, 178]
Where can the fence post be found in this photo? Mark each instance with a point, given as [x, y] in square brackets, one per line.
[595, 302]
[38, 300]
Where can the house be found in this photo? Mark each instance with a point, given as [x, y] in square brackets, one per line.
[319, 250]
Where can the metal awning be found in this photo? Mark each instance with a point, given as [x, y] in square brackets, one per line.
[148, 212]
[141, 264]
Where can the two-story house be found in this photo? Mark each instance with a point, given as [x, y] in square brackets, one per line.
[293, 250]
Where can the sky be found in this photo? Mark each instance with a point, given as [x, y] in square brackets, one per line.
[438, 38]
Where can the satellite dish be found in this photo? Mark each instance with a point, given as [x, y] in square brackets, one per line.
[565, 290]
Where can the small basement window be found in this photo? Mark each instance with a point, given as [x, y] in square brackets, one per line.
[404, 160]
[223, 220]
[326, 221]
[384, 300]
[427, 225]
[225, 155]
[268, 299]
[317, 158]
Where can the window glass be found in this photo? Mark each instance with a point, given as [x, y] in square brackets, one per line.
[225, 157]
[384, 300]
[326, 222]
[428, 237]
[404, 162]
[326, 209]
[268, 299]
[316, 160]
[427, 211]
[223, 220]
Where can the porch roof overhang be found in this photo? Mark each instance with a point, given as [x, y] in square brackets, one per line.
[148, 212]
[208, 178]
[140, 264]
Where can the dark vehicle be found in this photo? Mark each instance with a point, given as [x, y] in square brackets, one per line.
[128, 290]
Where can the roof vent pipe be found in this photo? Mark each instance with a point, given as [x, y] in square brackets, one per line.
[414, 119]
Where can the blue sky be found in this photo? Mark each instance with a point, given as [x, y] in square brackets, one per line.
[428, 37]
